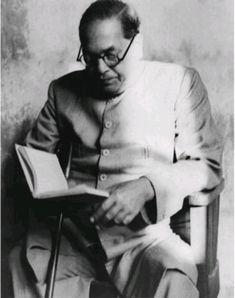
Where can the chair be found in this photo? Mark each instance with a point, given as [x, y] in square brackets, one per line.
[197, 224]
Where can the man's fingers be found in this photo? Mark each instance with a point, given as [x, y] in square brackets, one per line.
[128, 219]
[102, 210]
[123, 219]
[114, 209]
[108, 203]
[119, 218]
[112, 212]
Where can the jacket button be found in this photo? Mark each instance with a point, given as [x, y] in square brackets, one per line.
[103, 177]
[108, 124]
[105, 152]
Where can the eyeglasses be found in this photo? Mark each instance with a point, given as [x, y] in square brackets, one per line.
[111, 60]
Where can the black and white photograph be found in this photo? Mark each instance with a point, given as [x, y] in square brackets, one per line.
[117, 149]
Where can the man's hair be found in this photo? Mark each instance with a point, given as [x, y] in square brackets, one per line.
[107, 9]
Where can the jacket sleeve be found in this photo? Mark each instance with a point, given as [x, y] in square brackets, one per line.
[45, 133]
[197, 150]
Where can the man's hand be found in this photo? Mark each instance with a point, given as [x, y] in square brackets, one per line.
[125, 201]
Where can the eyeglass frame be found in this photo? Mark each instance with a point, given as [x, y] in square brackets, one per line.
[80, 55]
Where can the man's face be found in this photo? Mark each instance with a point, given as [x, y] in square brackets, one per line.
[105, 37]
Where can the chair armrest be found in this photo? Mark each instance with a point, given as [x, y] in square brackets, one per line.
[204, 219]
[205, 198]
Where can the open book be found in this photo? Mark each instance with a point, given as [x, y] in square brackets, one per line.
[46, 179]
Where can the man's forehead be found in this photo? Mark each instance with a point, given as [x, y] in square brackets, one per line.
[103, 33]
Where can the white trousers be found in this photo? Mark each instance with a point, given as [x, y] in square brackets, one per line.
[158, 270]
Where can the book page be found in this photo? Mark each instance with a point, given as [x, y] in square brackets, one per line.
[78, 190]
[28, 172]
[47, 172]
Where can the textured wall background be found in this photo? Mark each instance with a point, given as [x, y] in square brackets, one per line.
[39, 43]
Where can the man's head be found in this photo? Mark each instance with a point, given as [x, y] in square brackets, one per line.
[110, 44]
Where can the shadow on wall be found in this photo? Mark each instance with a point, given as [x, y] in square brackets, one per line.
[14, 191]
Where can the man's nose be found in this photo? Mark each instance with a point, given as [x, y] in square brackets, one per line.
[101, 66]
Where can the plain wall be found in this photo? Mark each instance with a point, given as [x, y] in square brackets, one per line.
[40, 42]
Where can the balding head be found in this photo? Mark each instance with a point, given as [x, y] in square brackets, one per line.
[108, 9]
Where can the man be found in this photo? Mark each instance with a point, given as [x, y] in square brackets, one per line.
[141, 130]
